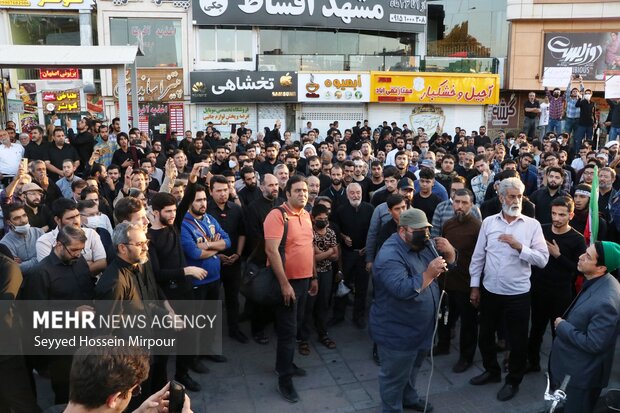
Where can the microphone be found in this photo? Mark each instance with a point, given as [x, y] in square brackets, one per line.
[430, 243]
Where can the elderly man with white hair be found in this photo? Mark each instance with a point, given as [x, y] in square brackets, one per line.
[353, 219]
[508, 245]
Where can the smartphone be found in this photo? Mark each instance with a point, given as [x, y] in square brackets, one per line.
[233, 128]
[204, 171]
[177, 397]
[25, 164]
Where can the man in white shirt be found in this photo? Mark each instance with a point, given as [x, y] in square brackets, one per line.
[66, 213]
[10, 156]
[508, 245]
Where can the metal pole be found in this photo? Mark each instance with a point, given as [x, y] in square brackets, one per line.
[135, 110]
[122, 98]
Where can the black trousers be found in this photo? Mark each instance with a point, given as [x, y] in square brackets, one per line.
[316, 309]
[460, 307]
[356, 276]
[16, 393]
[205, 292]
[516, 311]
[547, 304]
[231, 279]
[286, 329]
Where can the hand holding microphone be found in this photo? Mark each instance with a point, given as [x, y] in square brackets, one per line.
[437, 266]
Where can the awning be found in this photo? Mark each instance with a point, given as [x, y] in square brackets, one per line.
[84, 57]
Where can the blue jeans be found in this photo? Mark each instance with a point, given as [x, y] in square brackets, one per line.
[397, 377]
[529, 127]
[570, 125]
[554, 126]
[582, 131]
[613, 134]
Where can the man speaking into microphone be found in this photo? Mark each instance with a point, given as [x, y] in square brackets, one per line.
[403, 314]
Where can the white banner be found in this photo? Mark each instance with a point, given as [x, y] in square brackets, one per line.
[349, 87]
[557, 77]
[612, 84]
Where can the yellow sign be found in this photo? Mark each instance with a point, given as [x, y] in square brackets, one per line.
[449, 88]
[47, 4]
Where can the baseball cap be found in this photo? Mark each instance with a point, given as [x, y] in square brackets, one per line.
[414, 218]
[31, 187]
[405, 183]
[428, 163]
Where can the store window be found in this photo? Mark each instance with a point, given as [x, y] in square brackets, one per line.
[161, 40]
[314, 41]
[467, 28]
[226, 45]
[45, 29]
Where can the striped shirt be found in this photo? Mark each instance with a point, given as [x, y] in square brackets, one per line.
[556, 106]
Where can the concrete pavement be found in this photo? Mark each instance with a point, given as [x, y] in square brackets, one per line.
[344, 380]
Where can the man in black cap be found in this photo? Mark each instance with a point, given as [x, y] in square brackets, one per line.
[586, 334]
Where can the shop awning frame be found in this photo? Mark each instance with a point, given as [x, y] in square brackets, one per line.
[83, 57]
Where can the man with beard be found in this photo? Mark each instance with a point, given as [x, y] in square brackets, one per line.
[38, 171]
[63, 275]
[39, 215]
[58, 151]
[83, 141]
[314, 186]
[552, 286]
[281, 172]
[353, 220]
[221, 161]
[105, 147]
[271, 160]
[606, 192]
[255, 215]
[447, 172]
[445, 210]
[381, 216]
[66, 213]
[402, 316]
[390, 158]
[202, 239]
[361, 178]
[230, 216]
[543, 197]
[586, 333]
[37, 148]
[462, 232]
[494, 205]
[250, 192]
[396, 204]
[173, 274]
[528, 174]
[336, 191]
[508, 245]
[391, 178]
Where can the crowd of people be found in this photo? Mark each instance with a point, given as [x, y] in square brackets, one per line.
[491, 231]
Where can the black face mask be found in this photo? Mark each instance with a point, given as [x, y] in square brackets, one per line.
[418, 240]
[320, 224]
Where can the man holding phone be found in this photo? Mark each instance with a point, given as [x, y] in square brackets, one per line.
[107, 378]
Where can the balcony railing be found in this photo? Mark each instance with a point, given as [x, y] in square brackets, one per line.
[360, 62]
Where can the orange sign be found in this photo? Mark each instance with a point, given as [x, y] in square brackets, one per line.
[155, 85]
[449, 88]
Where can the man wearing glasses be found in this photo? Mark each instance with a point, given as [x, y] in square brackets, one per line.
[66, 213]
[128, 282]
[63, 275]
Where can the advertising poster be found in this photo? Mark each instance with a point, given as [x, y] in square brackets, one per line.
[346, 87]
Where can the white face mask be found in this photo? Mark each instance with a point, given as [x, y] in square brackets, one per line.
[511, 142]
[21, 229]
[587, 96]
[232, 164]
[94, 222]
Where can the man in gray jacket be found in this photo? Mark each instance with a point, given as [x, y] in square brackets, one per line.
[21, 239]
[586, 334]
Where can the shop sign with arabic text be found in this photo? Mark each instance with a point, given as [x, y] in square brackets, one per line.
[246, 87]
[154, 85]
[588, 54]
[407, 16]
[59, 74]
[47, 4]
[449, 88]
[340, 87]
[66, 101]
